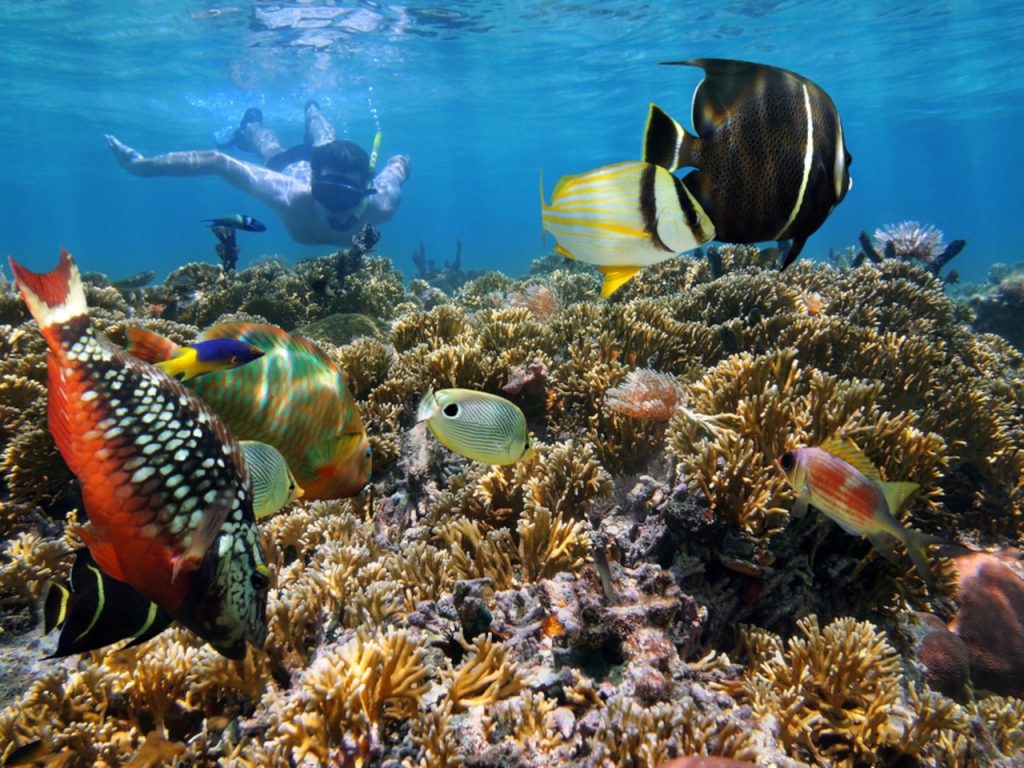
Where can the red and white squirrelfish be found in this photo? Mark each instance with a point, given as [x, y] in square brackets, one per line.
[164, 483]
[839, 480]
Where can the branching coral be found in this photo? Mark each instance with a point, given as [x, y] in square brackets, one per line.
[486, 676]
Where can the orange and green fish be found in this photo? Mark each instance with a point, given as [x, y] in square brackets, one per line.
[165, 487]
[840, 481]
[294, 398]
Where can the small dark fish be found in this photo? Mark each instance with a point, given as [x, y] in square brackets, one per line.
[134, 282]
[238, 221]
[769, 154]
[95, 610]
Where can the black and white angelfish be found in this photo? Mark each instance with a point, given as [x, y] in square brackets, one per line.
[769, 156]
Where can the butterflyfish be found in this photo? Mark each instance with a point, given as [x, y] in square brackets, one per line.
[622, 218]
[202, 357]
[294, 398]
[273, 485]
[770, 159]
[840, 481]
[163, 481]
[478, 425]
[238, 221]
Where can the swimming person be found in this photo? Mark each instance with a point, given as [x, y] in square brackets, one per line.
[324, 189]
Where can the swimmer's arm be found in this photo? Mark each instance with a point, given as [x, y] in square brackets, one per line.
[274, 189]
[387, 184]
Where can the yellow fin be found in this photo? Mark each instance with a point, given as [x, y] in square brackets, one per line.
[896, 494]
[563, 252]
[853, 456]
[615, 278]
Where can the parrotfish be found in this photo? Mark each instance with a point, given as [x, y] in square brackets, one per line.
[238, 221]
[770, 158]
[478, 425]
[95, 610]
[163, 481]
[841, 482]
[213, 355]
[294, 398]
[622, 218]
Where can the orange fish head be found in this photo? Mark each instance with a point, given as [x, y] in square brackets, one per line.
[346, 472]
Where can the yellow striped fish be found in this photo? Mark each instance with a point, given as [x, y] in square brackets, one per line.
[624, 217]
[480, 426]
[839, 480]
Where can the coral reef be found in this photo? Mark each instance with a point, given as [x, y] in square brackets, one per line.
[638, 592]
[911, 241]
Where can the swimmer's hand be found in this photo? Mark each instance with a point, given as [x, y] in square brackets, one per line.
[126, 157]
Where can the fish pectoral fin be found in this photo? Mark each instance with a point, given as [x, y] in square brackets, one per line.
[564, 252]
[799, 508]
[615, 278]
[896, 494]
[666, 142]
[149, 346]
[202, 537]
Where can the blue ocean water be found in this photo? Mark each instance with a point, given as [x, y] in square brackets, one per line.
[484, 95]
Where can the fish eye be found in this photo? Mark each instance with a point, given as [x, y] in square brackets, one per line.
[787, 461]
[451, 410]
[260, 578]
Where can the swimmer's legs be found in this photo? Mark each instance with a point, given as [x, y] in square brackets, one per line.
[318, 128]
[252, 136]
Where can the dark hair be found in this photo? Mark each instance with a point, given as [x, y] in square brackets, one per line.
[340, 157]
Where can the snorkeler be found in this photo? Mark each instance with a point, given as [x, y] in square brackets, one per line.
[324, 189]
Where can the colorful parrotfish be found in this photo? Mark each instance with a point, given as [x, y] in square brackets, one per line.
[164, 484]
[294, 397]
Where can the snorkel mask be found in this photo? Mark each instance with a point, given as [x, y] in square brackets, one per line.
[338, 191]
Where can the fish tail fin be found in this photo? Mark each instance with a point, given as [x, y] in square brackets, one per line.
[54, 298]
[667, 143]
[427, 407]
[149, 346]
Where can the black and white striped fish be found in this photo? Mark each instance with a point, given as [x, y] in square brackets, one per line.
[769, 156]
[623, 217]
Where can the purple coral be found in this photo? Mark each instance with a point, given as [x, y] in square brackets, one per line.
[911, 240]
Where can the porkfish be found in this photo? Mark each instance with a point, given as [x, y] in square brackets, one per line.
[770, 160]
[840, 481]
[293, 397]
[622, 218]
[163, 481]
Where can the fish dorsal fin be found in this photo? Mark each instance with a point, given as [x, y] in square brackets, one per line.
[853, 456]
[727, 85]
[896, 494]
[615, 278]
[149, 346]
